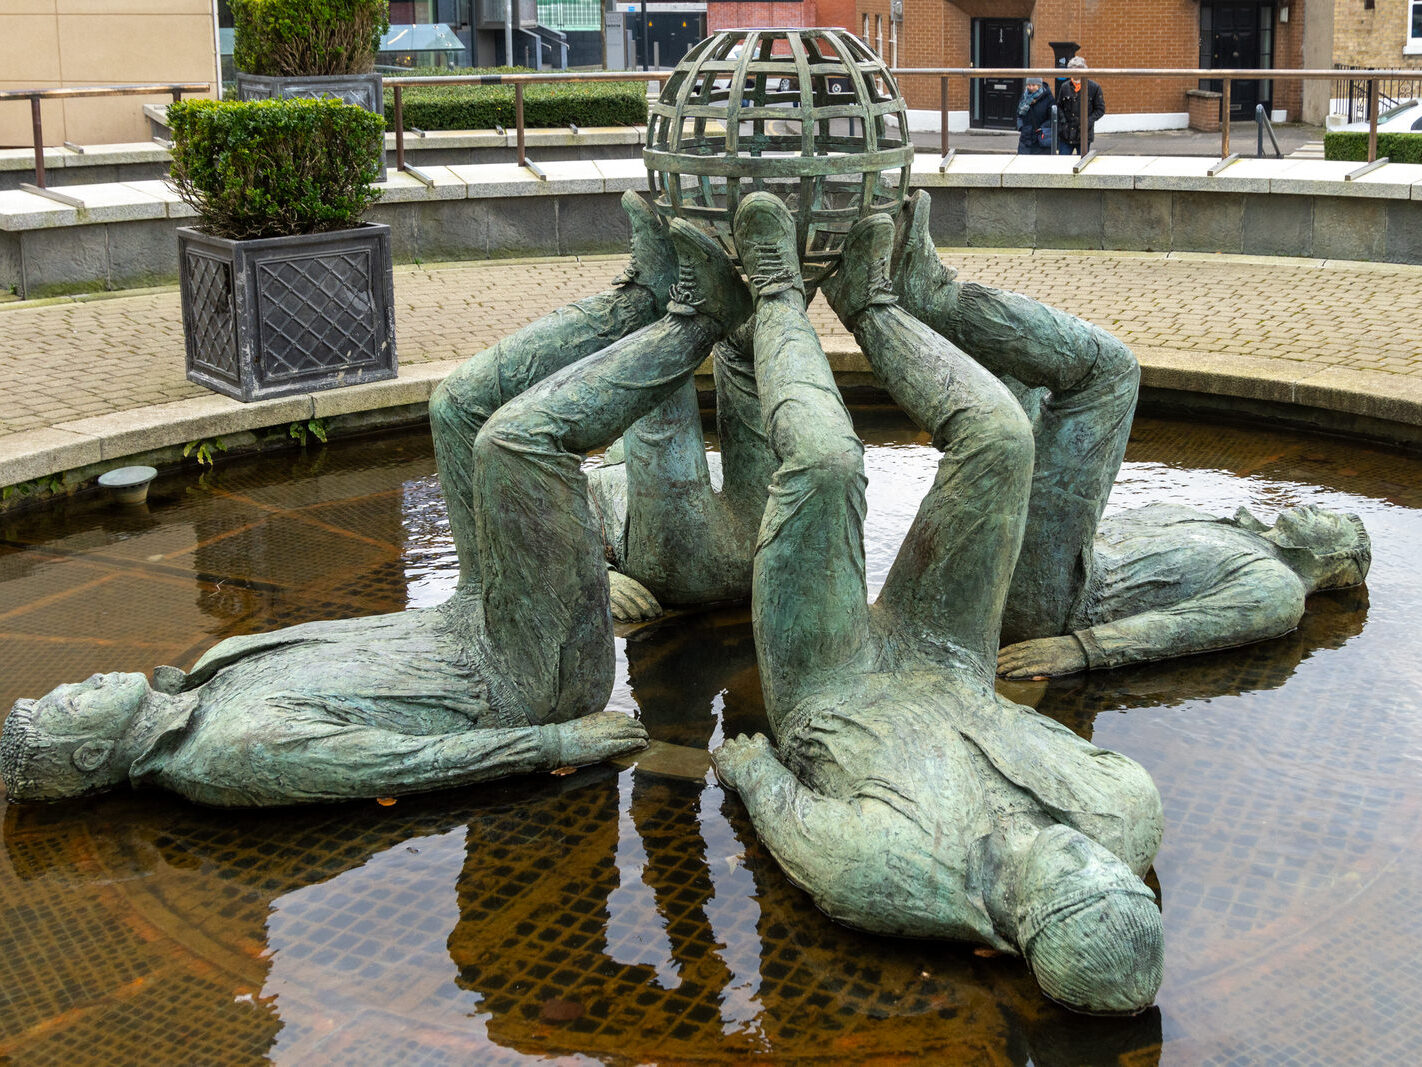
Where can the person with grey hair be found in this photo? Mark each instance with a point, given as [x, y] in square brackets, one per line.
[1034, 118]
[1069, 92]
[510, 675]
[902, 793]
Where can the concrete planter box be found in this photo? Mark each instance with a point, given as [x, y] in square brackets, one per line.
[362, 90]
[281, 315]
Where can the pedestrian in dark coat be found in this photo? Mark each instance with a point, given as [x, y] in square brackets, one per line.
[1034, 119]
[1069, 110]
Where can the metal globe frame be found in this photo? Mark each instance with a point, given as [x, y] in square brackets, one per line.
[776, 110]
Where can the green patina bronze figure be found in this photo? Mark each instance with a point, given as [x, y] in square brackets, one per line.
[670, 536]
[510, 675]
[903, 794]
[1135, 587]
[1167, 580]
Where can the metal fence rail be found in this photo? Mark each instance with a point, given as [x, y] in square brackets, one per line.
[1372, 78]
[1351, 93]
[34, 96]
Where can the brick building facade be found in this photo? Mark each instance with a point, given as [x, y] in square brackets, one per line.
[737, 14]
[1109, 33]
[1386, 34]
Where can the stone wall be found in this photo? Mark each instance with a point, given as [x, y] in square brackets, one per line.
[123, 236]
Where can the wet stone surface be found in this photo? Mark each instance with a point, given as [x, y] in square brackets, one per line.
[628, 915]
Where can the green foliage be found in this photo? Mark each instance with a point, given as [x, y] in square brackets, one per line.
[52, 484]
[482, 107]
[1352, 145]
[204, 450]
[270, 168]
[291, 37]
[301, 428]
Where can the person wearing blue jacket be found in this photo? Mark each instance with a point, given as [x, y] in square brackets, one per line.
[1034, 119]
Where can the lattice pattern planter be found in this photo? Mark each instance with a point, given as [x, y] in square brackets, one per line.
[362, 90]
[283, 315]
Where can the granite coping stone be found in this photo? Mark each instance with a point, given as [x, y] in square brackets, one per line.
[120, 201]
[619, 175]
[404, 188]
[1325, 177]
[20, 210]
[494, 180]
[39, 453]
[116, 202]
[96, 156]
[115, 436]
[1191, 174]
[126, 433]
[1055, 172]
[981, 171]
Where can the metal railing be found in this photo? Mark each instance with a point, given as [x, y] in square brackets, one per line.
[1261, 120]
[1371, 78]
[1352, 91]
[34, 96]
[518, 81]
[1225, 77]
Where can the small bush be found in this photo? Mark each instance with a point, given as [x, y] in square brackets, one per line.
[270, 168]
[296, 37]
[1352, 145]
[545, 105]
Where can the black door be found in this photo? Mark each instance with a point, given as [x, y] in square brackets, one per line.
[997, 43]
[1240, 37]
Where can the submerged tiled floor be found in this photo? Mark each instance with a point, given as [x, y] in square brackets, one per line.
[630, 916]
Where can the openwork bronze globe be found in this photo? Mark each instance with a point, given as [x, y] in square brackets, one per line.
[811, 115]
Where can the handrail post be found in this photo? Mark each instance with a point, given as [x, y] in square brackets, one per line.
[399, 127]
[518, 122]
[39, 141]
[1224, 120]
[1372, 119]
[943, 116]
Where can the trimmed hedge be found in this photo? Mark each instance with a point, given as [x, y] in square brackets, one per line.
[307, 37]
[1352, 145]
[271, 168]
[482, 107]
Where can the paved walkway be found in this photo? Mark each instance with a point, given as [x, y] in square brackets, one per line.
[1331, 334]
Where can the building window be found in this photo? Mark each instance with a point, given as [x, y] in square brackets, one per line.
[879, 34]
[1413, 47]
[865, 34]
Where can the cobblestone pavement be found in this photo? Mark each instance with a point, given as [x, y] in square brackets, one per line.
[69, 360]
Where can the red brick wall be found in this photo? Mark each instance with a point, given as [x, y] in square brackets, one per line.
[1112, 33]
[737, 14]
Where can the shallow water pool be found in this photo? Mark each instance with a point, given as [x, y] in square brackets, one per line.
[627, 914]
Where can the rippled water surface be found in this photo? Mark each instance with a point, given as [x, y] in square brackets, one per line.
[628, 915]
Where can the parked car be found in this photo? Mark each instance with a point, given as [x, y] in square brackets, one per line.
[1403, 118]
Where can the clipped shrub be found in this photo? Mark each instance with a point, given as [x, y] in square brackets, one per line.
[482, 107]
[306, 37]
[1352, 145]
[271, 168]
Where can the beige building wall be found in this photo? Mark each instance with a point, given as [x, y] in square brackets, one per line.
[46, 43]
[1373, 38]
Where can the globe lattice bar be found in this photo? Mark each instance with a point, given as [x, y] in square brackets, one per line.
[777, 109]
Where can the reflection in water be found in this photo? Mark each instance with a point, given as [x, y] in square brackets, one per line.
[630, 915]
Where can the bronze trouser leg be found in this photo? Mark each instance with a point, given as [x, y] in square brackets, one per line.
[474, 391]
